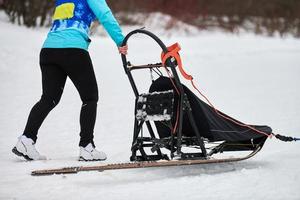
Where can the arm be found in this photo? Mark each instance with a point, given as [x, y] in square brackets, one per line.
[105, 16]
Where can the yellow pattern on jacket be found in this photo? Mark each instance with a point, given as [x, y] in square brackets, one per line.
[64, 11]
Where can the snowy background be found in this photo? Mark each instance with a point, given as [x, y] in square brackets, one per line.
[255, 79]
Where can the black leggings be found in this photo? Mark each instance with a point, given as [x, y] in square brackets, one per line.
[56, 65]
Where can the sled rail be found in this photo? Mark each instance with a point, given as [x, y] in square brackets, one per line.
[139, 165]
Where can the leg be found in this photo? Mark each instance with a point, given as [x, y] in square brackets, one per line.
[53, 81]
[81, 72]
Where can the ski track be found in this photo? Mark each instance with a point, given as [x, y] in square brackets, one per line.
[252, 78]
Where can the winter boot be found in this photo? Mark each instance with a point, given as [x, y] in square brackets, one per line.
[26, 149]
[89, 153]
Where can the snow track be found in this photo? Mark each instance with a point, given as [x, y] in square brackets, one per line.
[252, 78]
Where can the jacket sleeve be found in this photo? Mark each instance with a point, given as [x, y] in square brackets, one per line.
[105, 16]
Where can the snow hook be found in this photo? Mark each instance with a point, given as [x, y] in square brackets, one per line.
[286, 138]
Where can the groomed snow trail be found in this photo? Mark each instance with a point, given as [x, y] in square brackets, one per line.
[252, 78]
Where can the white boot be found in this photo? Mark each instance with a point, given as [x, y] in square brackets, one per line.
[25, 148]
[89, 153]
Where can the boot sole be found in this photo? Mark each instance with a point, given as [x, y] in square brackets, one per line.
[85, 160]
[18, 153]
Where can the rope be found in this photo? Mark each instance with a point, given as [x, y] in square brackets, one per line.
[178, 92]
[286, 138]
[227, 118]
[174, 52]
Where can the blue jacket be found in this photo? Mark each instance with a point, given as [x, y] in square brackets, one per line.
[72, 20]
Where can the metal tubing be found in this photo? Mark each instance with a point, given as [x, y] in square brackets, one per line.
[200, 140]
[176, 77]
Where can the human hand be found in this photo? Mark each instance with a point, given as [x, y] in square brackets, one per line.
[123, 50]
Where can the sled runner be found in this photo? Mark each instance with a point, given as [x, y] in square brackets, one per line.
[181, 129]
[137, 165]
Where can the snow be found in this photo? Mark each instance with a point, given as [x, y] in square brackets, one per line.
[252, 78]
[165, 25]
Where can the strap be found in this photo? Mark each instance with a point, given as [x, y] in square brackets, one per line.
[173, 51]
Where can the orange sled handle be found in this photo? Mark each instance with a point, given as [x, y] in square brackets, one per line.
[173, 51]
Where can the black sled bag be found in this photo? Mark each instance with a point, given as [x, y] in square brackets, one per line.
[211, 126]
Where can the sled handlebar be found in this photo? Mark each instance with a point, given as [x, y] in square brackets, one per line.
[143, 31]
[170, 55]
[128, 67]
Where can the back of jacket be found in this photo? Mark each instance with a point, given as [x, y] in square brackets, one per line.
[72, 20]
[72, 14]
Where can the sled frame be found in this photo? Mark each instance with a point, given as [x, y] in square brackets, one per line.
[175, 143]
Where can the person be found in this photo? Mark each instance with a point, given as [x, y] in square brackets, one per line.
[65, 54]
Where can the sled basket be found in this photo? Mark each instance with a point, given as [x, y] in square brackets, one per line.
[156, 106]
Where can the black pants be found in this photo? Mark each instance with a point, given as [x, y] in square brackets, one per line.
[56, 65]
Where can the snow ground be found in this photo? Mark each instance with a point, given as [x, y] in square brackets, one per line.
[254, 79]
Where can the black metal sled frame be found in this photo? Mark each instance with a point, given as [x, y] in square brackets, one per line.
[139, 143]
[176, 141]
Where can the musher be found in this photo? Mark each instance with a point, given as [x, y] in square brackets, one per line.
[65, 54]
